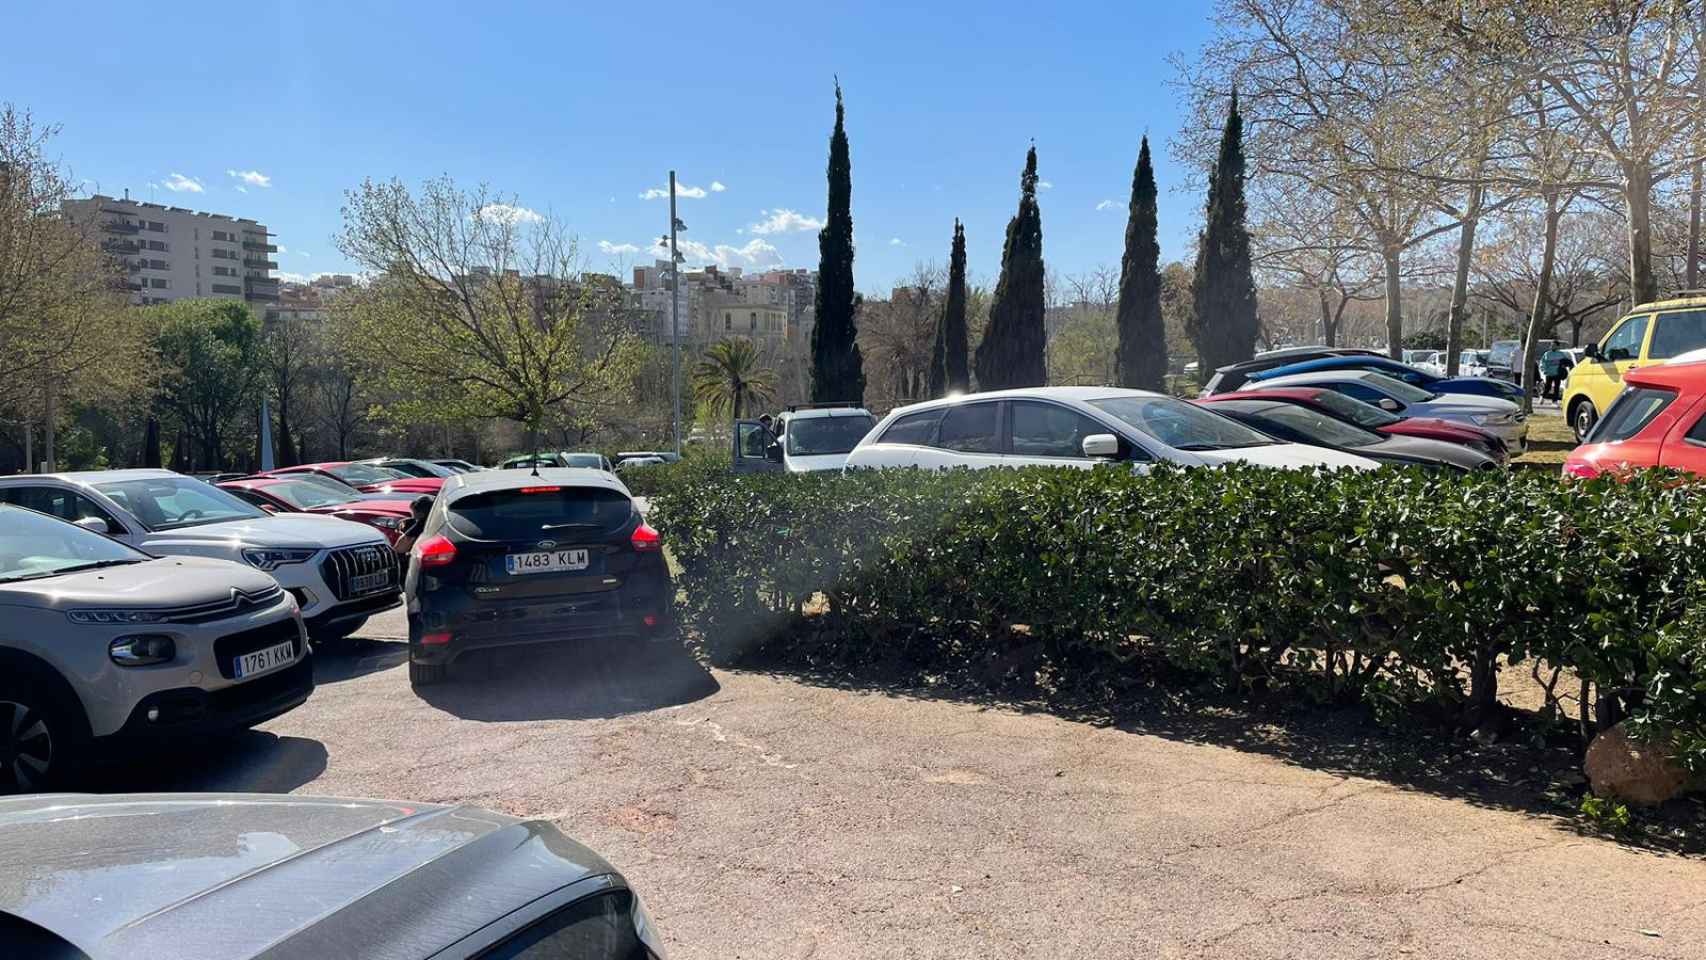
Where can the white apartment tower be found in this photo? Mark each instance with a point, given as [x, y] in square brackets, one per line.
[170, 253]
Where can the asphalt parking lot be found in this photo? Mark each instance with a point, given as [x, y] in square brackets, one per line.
[765, 817]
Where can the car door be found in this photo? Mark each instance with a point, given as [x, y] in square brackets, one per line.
[1685, 445]
[751, 453]
[1601, 379]
[970, 435]
[1044, 433]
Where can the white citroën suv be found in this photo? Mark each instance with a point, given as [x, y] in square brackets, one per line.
[340, 572]
[100, 642]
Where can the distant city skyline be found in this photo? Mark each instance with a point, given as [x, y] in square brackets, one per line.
[283, 108]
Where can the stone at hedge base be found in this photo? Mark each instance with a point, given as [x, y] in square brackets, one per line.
[1623, 768]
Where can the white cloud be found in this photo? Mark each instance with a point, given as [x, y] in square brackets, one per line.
[242, 189]
[753, 253]
[178, 183]
[252, 178]
[303, 254]
[681, 190]
[283, 249]
[782, 220]
[507, 214]
[285, 276]
[1106, 205]
[1044, 185]
[717, 186]
[614, 249]
[896, 242]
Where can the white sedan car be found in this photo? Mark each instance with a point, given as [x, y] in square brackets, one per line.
[1493, 414]
[1075, 427]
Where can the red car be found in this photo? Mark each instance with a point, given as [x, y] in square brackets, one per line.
[308, 493]
[1370, 417]
[1659, 420]
[366, 477]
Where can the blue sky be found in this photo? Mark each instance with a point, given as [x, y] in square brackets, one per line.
[579, 109]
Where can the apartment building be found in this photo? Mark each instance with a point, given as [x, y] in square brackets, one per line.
[172, 253]
[777, 307]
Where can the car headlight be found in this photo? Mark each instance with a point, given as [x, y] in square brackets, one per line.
[142, 650]
[271, 558]
[388, 523]
[115, 616]
[647, 930]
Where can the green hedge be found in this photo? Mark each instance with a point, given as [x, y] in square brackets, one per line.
[1395, 587]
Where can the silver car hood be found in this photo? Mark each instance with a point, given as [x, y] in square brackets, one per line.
[285, 530]
[164, 583]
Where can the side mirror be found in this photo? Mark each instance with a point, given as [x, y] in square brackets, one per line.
[1389, 405]
[1101, 446]
[1591, 352]
[773, 453]
[97, 524]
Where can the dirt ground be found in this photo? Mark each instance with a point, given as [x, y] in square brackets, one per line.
[763, 816]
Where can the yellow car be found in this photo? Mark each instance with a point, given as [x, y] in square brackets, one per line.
[1651, 333]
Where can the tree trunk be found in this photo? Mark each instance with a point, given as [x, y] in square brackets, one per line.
[1329, 330]
[1389, 256]
[1693, 270]
[1542, 299]
[151, 444]
[29, 446]
[1638, 196]
[1460, 282]
[50, 428]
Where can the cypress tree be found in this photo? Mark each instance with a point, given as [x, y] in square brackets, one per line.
[838, 371]
[1223, 291]
[956, 378]
[1012, 351]
[1143, 339]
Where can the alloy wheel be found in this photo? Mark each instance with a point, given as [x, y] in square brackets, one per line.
[26, 747]
[1584, 421]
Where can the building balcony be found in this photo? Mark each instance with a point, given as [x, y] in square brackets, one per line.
[260, 264]
[134, 285]
[121, 246]
[258, 288]
[260, 246]
[118, 226]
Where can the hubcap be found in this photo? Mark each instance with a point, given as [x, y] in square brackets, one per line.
[26, 747]
[1584, 422]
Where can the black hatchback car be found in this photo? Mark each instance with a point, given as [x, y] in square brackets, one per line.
[231, 876]
[509, 558]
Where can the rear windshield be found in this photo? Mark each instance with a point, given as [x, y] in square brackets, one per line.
[543, 511]
[815, 436]
[1634, 408]
[364, 473]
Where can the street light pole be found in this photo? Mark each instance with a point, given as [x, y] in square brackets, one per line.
[674, 322]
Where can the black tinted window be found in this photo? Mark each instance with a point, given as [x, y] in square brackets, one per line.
[970, 428]
[545, 510]
[1697, 433]
[1046, 430]
[1634, 408]
[56, 502]
[916, 428]
[598, 928]
[1677, 333]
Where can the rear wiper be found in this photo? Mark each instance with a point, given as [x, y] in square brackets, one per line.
[568, 526]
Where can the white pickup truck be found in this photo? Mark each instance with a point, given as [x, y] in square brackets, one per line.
[804, 439]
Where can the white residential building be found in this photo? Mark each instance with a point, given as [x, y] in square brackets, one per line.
[171, 253]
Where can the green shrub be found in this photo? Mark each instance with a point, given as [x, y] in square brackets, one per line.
[1394, 587]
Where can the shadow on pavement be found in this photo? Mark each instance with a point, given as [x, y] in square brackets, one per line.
[348, 659]
[579, 680]
[253, 761]
[1527, 771]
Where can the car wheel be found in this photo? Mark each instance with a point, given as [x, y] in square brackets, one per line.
[426, 674]
[41, 740]
[1582, 418]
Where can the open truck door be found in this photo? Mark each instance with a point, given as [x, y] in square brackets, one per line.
[756, 449]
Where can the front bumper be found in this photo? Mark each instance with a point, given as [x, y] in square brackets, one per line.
[360, 609]
[188, 711]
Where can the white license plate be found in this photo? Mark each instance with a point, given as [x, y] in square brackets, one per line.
[369, 582]
[548, 561]
[261, 661]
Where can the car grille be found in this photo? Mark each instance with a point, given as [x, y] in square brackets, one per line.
[228, 648]
[341, 567]
[235, 604]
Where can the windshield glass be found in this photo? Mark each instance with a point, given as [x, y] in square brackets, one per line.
[1349, 408]
[1503, 352]
[819, 436]
[417, 468]
[592, 460]
[365, 473]
[33, 546]
[306, 493]
[528, 513]
[1181, 425]
[1405, 392]
[168, 503]
[1317, 426]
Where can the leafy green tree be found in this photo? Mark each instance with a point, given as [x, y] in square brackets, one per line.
[731, 377]
[1143, 338]
[1013, 350]
[956, 378]
[838, 370]
[1223, 290]
[212, 359]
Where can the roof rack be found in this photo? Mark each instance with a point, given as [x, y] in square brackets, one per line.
[830, 404]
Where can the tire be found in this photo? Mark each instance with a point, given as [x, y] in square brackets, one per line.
[426, 674]
[1582, 418]
[43, 737]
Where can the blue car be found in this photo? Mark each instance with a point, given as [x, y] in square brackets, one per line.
[1477, 386]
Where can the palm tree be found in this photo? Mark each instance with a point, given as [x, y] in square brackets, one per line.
[731, 378]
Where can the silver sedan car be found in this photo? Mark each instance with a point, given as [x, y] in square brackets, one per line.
[100, 642]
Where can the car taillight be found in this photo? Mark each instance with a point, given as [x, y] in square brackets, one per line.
[1580, 468]
[646, 539]
[435, 551]
[434, 639]
[540, 489]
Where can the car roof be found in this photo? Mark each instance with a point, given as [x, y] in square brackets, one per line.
[1317, 376]
[1689, 298]
[96, 476]
[464, 484]
[1329, 363]
[155, 875]
[1269, 393]
[1080, 394]
[817, 412]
